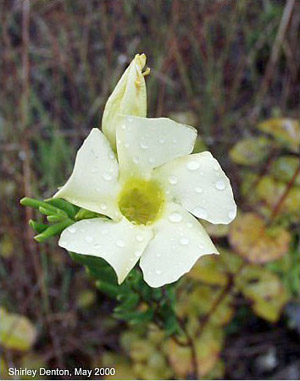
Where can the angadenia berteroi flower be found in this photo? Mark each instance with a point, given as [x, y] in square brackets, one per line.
[147, 194]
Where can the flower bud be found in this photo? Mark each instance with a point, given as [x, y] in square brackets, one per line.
[128, 98]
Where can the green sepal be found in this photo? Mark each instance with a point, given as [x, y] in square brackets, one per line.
[38, 227]
[66, 206]
[53, 230]
[83, 214]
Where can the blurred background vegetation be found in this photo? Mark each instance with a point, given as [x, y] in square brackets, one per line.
[229, 68]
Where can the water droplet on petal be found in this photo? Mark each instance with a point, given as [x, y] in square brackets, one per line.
[174, 141]
[184, 241]
[220, 185]
[97, 245]
[151, 160]
[158, 255]
[199, 212]
[136, 160]
[162, 140]
[175, 217]
[103, 206]
[139, 238]
[89, 239]
[144, 145]
[231, 214]
[198, 190]
[189, 225]
[94, 169]
[192, 165]
[107, 176]
[120, 243]
[216, 167]
[200, 246]
[173, 180]
[138, 253]
[111, 155]
[158, 272]
[130, 119]
[72, 229]
[123, 126]
[126, 145]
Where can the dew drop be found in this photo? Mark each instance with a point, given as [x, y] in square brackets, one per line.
[173, 180]
[216, 168]
[184, 241]
[175, 217]
[97, 245]
[130, 119]
[198, 190]
[192, 165]
[107, 176]
[158, 255]
[174, 141]
[220, 185]
[162, 140]
[120, 243]
[103, 206]
[94, 170]
[123, 126]
[139, 238]
[111, 155]
[231, 214]
[199, 212]
[126, 145]
[144, 145]
[158, 272]
[72, 229]
[151, 160]
[138, 253]
[136, 159]
[89, 239]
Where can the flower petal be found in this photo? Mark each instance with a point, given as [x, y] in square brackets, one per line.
[129, 98]
[198, 183]
[120, 243]
[146, 143]
[179, 240]
[93, 184]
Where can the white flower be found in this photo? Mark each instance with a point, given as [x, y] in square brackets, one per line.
[150, 194]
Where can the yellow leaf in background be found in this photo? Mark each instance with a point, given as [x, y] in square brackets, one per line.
[215, 230]
[231, 261]
[284, 130]
[252, 240]
[128, 98]
[197, 303]
[264, 289]
[210, 270]
[271, 191]
[16, 331]
[250, 151]
[208, 347]
[284, 168]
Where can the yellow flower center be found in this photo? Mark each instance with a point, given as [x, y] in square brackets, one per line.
[141, 201]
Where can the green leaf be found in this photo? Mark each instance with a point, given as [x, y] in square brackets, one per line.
[16, 331]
